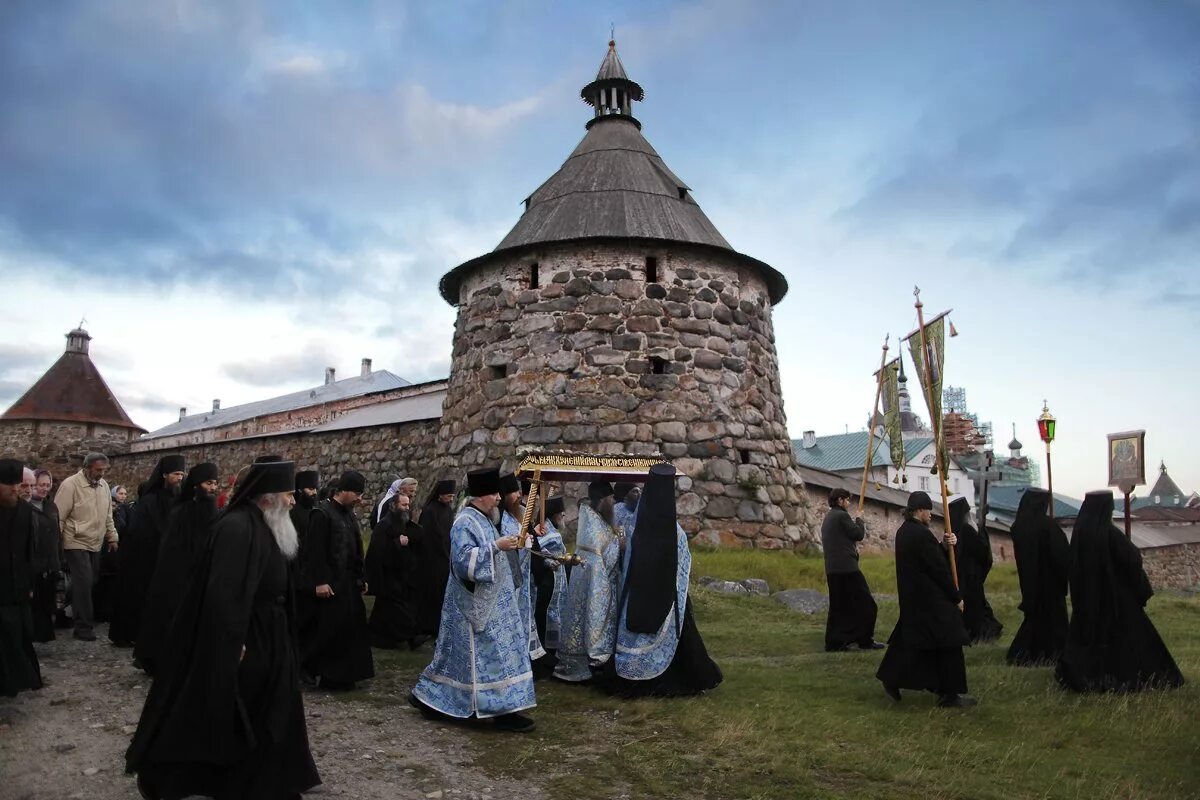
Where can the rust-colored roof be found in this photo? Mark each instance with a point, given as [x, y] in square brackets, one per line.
[72, 391]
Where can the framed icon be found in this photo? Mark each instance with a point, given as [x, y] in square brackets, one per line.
[1127, 459]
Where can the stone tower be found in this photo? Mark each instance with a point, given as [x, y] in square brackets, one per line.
[615, 318]
[67, 413]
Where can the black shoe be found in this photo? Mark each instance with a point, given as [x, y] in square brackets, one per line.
[838, 648]
[872, 645]
[85, 634]
[957, 701]
[892, 692]
[336, 686]
[515, 723]
[428, 712]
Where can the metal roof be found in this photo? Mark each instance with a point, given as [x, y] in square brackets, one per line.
[426, 405]
[844, 451]
[72, 390]
[1005, 499]
[852, 483]
[613, 186]
[378, 381]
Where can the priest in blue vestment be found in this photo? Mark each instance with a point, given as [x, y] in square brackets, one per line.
[511, 512]
[481, 663]
[551, 598]
[659, 650]
[589, 619]
[625, 504]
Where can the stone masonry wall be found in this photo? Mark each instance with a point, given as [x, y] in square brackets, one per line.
[60, 446]
[381, 453]
[281, 421]
[1176, 567]
[594, 358]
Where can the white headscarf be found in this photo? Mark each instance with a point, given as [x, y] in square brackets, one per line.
[391, 492]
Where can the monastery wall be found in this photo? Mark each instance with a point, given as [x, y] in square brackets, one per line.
[382, 453]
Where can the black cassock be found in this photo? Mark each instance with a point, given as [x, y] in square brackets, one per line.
[47, 571]
[393, 575]
[1112, 646]
[19, 669]
[218, 724]
[186, 539]
[137, 555]
[104, 590]
[973, 555]
[433, 555]
[925, 648]
[301, 515]
[335, 643]
[1043, 563]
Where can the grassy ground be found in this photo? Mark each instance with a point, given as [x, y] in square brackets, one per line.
[791, 721]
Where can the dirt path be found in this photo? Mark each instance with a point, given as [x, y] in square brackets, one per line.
[68, 740]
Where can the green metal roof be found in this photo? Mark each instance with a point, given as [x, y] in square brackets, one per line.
[845, 451]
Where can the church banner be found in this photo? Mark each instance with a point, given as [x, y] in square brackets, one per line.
[891, 412]
[931, 381]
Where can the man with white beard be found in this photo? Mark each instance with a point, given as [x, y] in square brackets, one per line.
[225, 715]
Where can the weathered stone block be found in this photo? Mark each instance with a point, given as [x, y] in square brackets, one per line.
[628, 290]
[605, 356]
[677, 310]
[564, 361]
[689, 504]
[671, 431]
[602, 305]
[646, 308]
[707, 359]
[701, 310]
[655, 291]
[720, 508]
[578, 287]
[750, 511]
[624, 432]
[628, 341]
[579, 433]
[641, 324]
[540, 435]
[586, 339]
[608, 323]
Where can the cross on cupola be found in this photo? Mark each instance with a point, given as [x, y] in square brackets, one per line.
[612, 94]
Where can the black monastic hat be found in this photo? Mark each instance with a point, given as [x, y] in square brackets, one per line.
[308, 479]
[352, 481]
[598, 490]
[509, 483]
[171, 463]
[482, 482]
[12, 471]
[265, 477]
[555, 506]
[444, 487]
[620, 489]
[919, 501]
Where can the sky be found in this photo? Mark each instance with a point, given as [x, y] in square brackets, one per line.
[236, 194]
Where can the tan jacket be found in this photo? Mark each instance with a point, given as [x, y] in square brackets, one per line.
[85, 513]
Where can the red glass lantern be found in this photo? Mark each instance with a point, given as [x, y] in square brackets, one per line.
[1046, 423]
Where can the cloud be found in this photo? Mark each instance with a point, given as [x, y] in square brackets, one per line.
[280, 370]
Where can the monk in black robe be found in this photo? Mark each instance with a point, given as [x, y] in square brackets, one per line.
[225, 716]
[973, 554]
[1043, 562]
[925, 648]
[1112, 646]
[19, 668]
[336, 645]
[308, 482]
[48, 570]
[393, 575]
[433, 555]
[138, 553]
[189, 529]
[649, 603]
[104, 591]
[852, 609]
